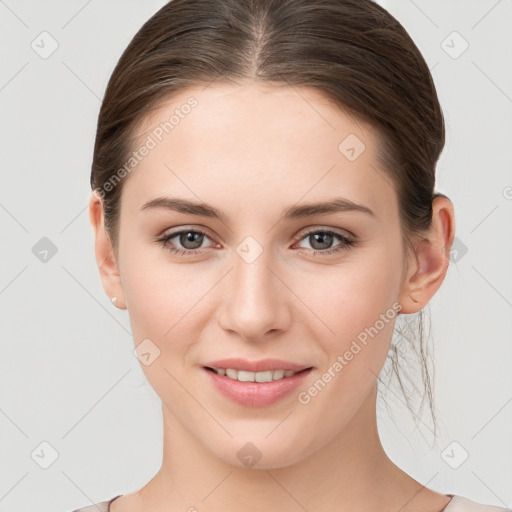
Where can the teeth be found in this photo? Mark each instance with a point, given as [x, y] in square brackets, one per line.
[244, 376]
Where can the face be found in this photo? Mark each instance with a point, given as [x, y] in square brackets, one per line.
[254, 281]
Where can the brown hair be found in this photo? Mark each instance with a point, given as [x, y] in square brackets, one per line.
[352, 51]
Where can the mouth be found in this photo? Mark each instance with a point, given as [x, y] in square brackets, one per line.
[248, 376]
[256, 383]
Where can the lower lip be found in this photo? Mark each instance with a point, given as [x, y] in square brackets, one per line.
[256, 394]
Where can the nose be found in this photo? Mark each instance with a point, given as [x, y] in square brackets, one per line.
[255, 299]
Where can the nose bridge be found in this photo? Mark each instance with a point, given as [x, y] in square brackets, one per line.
[254, 303]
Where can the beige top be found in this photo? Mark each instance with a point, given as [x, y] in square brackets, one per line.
[456, 504]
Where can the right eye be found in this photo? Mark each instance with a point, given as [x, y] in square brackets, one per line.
[189, 239]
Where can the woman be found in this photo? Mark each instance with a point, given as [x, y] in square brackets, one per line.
[263, 206]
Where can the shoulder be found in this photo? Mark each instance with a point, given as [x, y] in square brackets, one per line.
[461, 504]
[97, 507]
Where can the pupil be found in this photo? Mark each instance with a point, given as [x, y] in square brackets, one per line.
[324, 243]
[193, 238]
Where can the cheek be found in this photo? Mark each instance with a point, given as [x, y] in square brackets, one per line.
[165, 307]
[164, 299]
[359, 304]
[362, 316]
[352, 296]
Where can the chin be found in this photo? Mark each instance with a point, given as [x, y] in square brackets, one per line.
[264, 453]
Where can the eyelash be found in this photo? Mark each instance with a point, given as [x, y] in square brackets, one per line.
[346, 242]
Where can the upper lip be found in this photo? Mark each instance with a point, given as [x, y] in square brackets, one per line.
[256, 366]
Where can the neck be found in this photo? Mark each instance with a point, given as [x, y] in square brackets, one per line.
[351, 472]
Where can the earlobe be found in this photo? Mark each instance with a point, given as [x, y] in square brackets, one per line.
[104, 252]
[430, 259]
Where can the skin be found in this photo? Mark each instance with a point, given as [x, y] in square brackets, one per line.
[253, 150]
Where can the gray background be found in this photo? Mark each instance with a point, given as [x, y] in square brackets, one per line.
[68, 375]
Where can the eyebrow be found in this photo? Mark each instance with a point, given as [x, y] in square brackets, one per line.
[338, 204]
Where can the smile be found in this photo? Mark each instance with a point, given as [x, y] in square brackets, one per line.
[246, 376]
[255, 383]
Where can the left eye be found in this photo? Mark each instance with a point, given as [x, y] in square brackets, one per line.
[321, 241]
[188, 238]
[192, 240]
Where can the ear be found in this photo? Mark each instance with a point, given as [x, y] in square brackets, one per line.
[428, 264]
[104, 251]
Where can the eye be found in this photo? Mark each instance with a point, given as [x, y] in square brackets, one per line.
[190, 239]
[321, 241]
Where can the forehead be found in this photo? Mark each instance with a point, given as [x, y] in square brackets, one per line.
[259, 110]
[258, 140]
